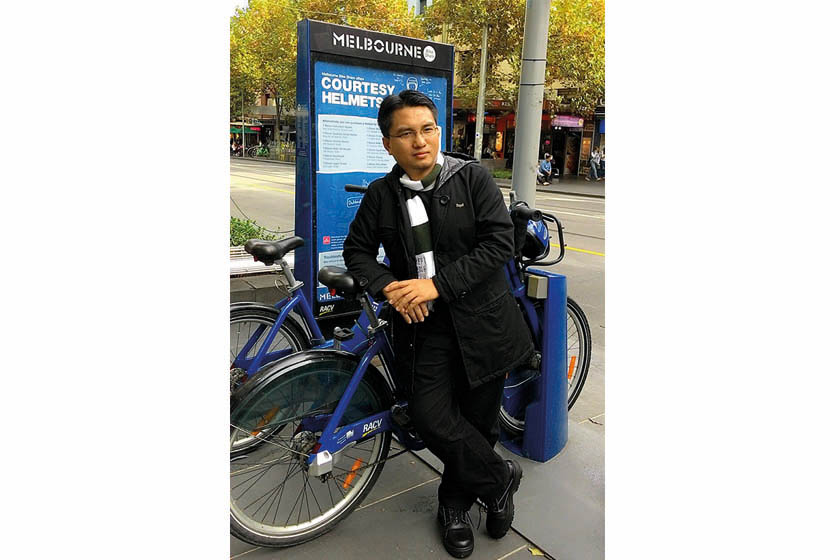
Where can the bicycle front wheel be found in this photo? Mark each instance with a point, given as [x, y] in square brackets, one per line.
[274, 501]
[578, 349]
[519, 390]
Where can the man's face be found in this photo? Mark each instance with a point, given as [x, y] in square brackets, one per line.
[414, 140]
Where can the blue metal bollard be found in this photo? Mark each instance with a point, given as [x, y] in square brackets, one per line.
[547, 414]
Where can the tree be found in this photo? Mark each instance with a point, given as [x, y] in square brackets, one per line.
[466, 18]
[263, 39]
[575, 54]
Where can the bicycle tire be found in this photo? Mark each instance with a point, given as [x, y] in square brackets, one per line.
[577, 377]
[579, 347]
[270, 486]
[244, 321]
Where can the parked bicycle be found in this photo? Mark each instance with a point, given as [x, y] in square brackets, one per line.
[321, 420]
[258, 151]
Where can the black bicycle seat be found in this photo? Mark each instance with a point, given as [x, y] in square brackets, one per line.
[338, 279]
[269, 251]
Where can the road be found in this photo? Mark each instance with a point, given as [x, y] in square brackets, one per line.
[265, 193]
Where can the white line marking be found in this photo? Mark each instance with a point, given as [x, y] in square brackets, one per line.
[581, 215]
[592, 417]
[512, 552]
[398, 493]
[244, 553]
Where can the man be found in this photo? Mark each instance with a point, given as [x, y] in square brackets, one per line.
[447, 235]
[544, 171]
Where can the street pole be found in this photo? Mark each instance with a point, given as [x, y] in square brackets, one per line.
[479, 110]
[529, 106]
[243, 123]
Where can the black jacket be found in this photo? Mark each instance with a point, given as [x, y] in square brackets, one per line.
[472, 237]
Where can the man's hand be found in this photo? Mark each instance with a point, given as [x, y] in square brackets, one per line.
[409, 298]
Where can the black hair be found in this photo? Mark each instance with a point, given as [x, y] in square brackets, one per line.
[406, 98]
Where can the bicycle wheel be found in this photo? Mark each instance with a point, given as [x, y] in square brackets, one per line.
[249, 326]
[252, 151]
[578, 349]
[274, 502]
[519, 386]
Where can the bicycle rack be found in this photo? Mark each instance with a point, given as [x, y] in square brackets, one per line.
[547, 415]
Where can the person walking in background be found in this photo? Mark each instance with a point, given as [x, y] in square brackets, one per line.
[603, 163]
[594, 163]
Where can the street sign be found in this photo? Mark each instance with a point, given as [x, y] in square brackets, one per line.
[343, 74]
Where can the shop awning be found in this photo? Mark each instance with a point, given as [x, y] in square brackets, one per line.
[248, 129]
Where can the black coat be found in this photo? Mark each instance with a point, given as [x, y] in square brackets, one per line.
[472, 237]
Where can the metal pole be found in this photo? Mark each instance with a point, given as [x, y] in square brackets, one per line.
[243, 123]
[479, 109]
[526, 146]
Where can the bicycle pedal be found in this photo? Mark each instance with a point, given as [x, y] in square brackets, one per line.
[399, 413]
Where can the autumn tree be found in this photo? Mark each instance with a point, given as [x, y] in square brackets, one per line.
[263, 39]
[466, 19]
[575, 53]
[576, 57]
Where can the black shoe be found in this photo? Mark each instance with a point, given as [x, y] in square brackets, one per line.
[457, 533]
[500, 510]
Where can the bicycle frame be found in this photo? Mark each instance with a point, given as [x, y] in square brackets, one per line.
[285, 307]
[335, 437]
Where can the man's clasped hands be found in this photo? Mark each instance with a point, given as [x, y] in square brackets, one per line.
[409, 298]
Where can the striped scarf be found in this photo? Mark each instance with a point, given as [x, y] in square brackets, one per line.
[420, 226]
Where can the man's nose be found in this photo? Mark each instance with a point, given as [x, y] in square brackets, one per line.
[419, 140]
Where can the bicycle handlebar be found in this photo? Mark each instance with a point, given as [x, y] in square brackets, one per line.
[355, 188]
[520, 213]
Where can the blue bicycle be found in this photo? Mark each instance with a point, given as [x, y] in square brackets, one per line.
[322, 419]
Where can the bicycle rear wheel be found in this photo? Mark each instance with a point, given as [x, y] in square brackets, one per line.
[274, 502]
[578, 355]
[249, 327]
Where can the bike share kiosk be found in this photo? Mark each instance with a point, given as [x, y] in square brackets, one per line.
[343, 74]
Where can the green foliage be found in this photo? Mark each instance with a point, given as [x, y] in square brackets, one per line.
[243, 230]
[466, 19]
[575, 54]
[502, 173]
[263, 41]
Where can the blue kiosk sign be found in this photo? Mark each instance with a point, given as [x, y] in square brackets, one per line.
[343, 74]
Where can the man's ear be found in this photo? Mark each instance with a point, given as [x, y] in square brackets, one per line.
[387, 143]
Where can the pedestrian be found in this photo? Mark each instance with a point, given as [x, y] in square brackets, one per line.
[594, 162]
[457, 331]
[603, 163]
[544, 170]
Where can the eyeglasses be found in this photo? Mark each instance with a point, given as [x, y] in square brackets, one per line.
[427, 132]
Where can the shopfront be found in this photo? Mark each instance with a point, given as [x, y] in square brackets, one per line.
[566, 136]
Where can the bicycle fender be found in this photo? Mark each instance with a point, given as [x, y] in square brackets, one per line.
[252, 304]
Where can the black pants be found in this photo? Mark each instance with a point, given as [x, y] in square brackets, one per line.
[460, 426]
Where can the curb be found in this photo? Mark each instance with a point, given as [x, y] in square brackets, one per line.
[505, 185]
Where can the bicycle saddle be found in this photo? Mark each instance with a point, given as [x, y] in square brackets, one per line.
[269, 251]
[338, 279]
